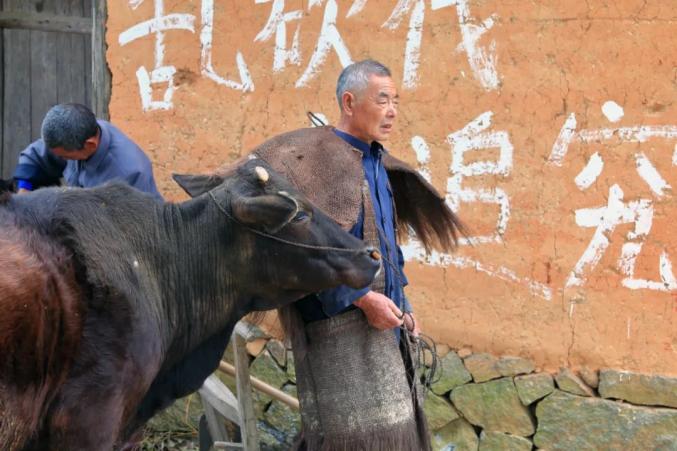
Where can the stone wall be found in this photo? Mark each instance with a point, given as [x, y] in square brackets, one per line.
[482, 402]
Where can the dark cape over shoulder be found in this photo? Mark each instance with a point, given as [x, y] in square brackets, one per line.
[329, 171]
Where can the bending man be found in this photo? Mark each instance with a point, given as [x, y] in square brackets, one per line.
[85, 151]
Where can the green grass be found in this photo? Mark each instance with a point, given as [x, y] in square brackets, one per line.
[176, 428]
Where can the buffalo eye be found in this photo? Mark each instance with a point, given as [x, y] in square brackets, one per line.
[300, 216]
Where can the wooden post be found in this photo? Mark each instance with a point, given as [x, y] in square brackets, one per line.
[101, 76]
[218, 403]
[217, 430]
[2, 104]
[244, 394]
[16, 120]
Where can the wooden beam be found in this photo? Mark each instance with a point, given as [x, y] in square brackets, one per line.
[221, 398]
[45, 22]
[228, 446]
[101, 76]
[263, 387]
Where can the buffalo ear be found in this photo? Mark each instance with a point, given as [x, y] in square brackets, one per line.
[270, 211]
[195, 185]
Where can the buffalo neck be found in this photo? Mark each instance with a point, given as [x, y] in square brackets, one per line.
[200, 273]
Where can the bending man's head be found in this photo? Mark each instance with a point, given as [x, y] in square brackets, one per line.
[368, 99]
[70, 131]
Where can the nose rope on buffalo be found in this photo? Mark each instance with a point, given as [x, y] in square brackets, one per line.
[375, 255]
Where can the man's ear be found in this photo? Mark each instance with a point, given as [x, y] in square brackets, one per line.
[195, 185]
[348, 102]
[272, 211]
[91, 144]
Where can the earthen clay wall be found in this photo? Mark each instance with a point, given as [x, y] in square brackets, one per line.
[551, 126]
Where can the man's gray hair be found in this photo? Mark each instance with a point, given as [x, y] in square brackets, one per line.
[355, 77]
[68, 125]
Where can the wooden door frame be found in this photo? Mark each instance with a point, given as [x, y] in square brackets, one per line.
[101, 76]
[96, 27]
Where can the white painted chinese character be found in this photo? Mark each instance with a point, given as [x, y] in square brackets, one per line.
[422, 156]
[277, 23]
[412, 50]
[481, 61]
[135, 3]
[638, 134]
[616, 212]
[474, 137]
[470, 138]
[161, 74]
[605, 219]
[356, 8]
[245, 83]
[329, 38]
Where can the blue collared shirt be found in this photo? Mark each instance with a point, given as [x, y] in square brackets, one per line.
[340, 299]
[116, 158]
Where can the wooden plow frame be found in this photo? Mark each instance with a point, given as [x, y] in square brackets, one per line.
[220, 403]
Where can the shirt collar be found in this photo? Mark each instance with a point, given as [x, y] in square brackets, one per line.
[360, 145]
[103, 148]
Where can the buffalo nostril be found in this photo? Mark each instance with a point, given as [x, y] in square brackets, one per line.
[374, 254]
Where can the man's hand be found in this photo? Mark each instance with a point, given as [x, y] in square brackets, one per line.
[381, 311]
[411, 324]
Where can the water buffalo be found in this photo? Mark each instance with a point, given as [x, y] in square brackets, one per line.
[113, 305]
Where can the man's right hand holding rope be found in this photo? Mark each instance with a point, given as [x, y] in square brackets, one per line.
[382, 313]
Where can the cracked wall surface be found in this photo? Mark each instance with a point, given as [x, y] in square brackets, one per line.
[550, 126]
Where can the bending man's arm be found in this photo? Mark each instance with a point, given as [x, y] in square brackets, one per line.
[38, 167]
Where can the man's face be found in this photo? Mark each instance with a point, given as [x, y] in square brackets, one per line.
[81, 154]
[375, 110]
[87, 151]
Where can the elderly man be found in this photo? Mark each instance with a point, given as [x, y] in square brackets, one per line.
[84, 151]
[355, 374]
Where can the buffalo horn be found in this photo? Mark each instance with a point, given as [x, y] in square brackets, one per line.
[262, 174]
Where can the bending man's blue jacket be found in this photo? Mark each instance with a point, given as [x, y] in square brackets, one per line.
[116, 158]
[340, 299]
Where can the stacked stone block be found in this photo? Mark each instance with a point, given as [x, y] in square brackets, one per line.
[482, 402]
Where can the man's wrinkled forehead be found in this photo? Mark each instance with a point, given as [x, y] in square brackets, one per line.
[383, 87]
[386, 94]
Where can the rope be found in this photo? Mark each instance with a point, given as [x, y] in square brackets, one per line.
[278, 239]
[314, 119]
[422, 343]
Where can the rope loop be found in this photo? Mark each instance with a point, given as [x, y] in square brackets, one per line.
[278, 239]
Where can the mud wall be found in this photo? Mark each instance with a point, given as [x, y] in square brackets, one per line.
[551, 127]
